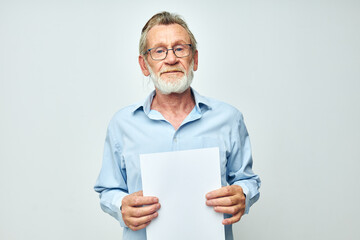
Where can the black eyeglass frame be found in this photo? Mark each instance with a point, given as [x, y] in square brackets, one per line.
[167, 50]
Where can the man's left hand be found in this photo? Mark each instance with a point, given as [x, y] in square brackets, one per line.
[229, 199]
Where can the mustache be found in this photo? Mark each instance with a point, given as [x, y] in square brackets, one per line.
[172, 69]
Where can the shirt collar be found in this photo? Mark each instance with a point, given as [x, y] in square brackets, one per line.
[201, 102]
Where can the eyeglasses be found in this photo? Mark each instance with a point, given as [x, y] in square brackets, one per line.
[160, 53]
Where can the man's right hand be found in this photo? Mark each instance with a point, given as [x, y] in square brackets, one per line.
[138, 211]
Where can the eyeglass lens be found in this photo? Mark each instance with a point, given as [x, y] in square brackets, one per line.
[160, 53]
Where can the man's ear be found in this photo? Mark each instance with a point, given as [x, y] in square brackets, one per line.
[143, 66]
[196, 56]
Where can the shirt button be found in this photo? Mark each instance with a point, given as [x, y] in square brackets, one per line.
[175, 139]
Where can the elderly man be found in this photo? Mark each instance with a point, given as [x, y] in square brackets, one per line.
[174, 117]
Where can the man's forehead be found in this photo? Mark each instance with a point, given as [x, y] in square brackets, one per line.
[167, 34]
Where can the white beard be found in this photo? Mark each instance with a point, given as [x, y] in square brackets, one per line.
[179, 85]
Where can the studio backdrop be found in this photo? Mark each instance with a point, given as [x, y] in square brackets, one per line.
[291, 67]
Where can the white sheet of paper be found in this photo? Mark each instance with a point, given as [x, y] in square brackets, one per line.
[180, 180]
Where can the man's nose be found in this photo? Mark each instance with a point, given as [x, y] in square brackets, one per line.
[171, 57]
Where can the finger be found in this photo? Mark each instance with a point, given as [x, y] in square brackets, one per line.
[224, 201]
[136, 199]
[221, 192]
[233, 210]
[139, 201]
[143, 211]
[138, 221]
[232, 220]
[136, 228]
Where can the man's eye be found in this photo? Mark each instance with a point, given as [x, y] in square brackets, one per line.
[159, 50]
[179, 48]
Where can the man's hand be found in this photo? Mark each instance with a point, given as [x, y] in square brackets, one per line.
[229, 199]
[135, 215]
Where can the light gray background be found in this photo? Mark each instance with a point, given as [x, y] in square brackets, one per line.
[291, 67]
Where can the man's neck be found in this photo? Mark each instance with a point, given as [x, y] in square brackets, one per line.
[174, 102]
[175, 106]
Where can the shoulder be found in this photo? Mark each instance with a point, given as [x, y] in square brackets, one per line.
[223, 108]
[123, 115]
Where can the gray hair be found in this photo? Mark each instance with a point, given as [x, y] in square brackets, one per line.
[164, 18]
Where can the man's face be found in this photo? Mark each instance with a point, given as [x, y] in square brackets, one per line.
[171, 69]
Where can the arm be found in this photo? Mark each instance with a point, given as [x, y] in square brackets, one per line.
[111, 182]
[112, 186]
[237, 198]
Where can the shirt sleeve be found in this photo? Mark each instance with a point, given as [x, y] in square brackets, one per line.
[239, 164]
[111, 182]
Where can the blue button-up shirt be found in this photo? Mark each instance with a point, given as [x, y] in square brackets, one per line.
[137, 129]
